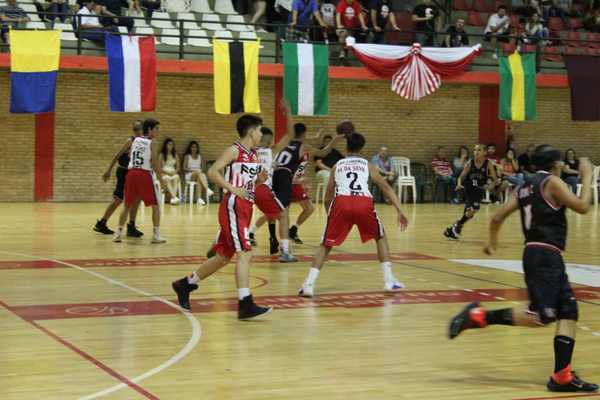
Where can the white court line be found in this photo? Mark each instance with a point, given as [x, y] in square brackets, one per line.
[189, 346]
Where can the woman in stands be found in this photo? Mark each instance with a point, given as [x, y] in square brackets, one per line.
[192, 169]
[534, 30]
[170, 169]
[510, 168]
[570, 172]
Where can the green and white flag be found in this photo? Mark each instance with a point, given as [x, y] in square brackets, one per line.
[305, 78]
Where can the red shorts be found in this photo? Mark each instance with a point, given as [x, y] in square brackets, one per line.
[140, 185]
[298, 193]
[267, 202]
[347, 211]
[235, 215]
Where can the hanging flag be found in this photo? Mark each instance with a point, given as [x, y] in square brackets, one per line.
[131, 73]
[584, 83]
[236, 76]
[517, 87]
[306, 78]
[34, 59]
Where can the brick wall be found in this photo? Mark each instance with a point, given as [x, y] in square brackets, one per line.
[87, 135]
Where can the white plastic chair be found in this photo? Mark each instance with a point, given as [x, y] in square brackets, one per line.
[211, 22]
[248, 36]
[237, 23]
[401, 165]
[170, 40]
[201, 6]
[188, 24]
[224, 7]
[161, 24]
[198, 41]
[176, 5]
[31, 11]
[595, 174]
[36, 25]
[140, 22]
[224, 36]
[190, 188]
[70, 36]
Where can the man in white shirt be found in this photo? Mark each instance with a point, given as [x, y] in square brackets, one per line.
[89, 24]
[498, 27]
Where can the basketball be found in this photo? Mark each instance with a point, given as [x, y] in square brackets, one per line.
[345, 127]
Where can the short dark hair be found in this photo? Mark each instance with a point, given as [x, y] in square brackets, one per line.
[299, 129]
[266, 131]
[544, 157]
[138, 125]
[327, 137]
[355, 142]
[149, 124]
[491, 145]
[247, 122]
[502, 7]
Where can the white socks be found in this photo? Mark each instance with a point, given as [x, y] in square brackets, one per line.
[157, 231]
[253, 229]
[243, 292]
[313, 274]
[388, 275]
[285, 245]
[193, 278]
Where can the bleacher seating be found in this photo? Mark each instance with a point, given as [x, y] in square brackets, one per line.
[201, 6]
[158, 22]
[190, 22]
[144, 31]
[476, 19]
[172, 37]
[36, 25]
[211, 22]
[224, 36]
[201, 41]
[224, 7]
[64, 35]
[31, 11]
[236, 23]
[481, 6]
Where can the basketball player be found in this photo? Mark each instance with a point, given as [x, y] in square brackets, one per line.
[140, 178]
[542, 201]
[300, 196]
[350, 203]
[122, 158]
[235, 214]
[478, 175]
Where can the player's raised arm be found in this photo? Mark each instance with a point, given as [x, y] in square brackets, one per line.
[564, 196]
[314, 152]
[121, 151]
[285, 140]
[497, 220]
[215, 172]
[388, 192]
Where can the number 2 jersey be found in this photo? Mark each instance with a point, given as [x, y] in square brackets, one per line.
[141, 154]
[242, 172]
[352, 177]
[542, 221]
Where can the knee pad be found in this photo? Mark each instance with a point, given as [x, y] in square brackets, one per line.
[569, 310]
[547, 316]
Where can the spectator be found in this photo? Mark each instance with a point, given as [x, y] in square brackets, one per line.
[592, 20]
[491, 154]
[111, 9]
[498, 26]
[150, 6]
[192, 169]
[328, 15]
[570, 172]
[559, 8]
[169, 169]
[381, 12]
[534, 30]
[47, 12]
[384, 165]
[425, 15]
[284, 9]
[10, 17]
[461, 159]
[510, 170]
[301, 19]
[456, 35]
[323, 165]
[260, 7]
[89, 26]
[444, 177]
[349, 19]
[525, 164]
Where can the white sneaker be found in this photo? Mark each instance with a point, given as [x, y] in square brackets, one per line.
[175, 201]
[118, 238]
[200, 202]
[210, 192]
[307, 291]
[393, 286]
[157, 239]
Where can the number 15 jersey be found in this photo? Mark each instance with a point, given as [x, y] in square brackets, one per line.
[352, 177]
[141, 154]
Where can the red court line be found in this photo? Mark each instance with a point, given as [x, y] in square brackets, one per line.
[87, 356]
[572, 396]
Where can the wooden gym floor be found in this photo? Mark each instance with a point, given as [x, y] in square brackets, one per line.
[85, 318]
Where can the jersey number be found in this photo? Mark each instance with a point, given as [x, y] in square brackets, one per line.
[354, 177]
[283, 158]
[137, 159]
[527, 216]
[475, 183]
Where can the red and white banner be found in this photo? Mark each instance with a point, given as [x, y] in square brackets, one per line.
[415, 71]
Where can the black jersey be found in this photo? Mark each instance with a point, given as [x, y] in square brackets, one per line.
[542, 221]
[123, 161]
[476, 177]
[289, 158]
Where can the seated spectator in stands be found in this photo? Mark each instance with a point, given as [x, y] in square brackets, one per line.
[89, 26]
[134, 8]
[456, 35]
[570, 172]
[442, 171]
[327, 10]
[384, 165]
[260, 7]
[525, 164]
[300, 25]
[491, 154]
[350, 21]
[150, 6]
[170, 169]
[283, 10]
[510, 170]
[111, 11]
[425, 15]
[498, 26]
[381, 12]
[10, 17]
[323, 165]
[192, 169]
[526, 8]
[591, 21]
[461, 159]
[558, 8]
[48, 11]
[535, 31]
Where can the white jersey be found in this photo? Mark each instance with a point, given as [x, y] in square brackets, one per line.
[265, 160]
[352, 177]
[141, 154]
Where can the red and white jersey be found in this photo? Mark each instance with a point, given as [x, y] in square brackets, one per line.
[242, 172]
[301, 168]
[265, 161]
[352, 177]
[141, 154]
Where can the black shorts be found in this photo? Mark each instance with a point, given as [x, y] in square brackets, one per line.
[282, 186]
[550, 293]
[473, 198]
[119, 192]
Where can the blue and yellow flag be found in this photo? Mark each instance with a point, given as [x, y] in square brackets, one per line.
[34, 58]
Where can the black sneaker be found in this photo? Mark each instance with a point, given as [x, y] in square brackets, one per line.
[450, 233]
[252, 240]
[274, 246]
[461, 321]
[576, 385]
[183, 289]
[294, 235]
[247, 309]
[132, 231]
[101, 227]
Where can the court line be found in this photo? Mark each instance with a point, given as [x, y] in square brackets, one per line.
[561, 397]
[189, 346]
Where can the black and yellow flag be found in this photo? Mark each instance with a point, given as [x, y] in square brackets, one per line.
[236, 77]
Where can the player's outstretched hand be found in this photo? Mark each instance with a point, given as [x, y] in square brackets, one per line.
[402, 221]
[459, 187]
[106, 176]
[489, 249]
[285, 107]
[240, 192]
[585, 167]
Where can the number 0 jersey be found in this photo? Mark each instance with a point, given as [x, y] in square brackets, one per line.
[289, 158]
[352, 177]
[542, 221]
[242, 172]
[141, 154]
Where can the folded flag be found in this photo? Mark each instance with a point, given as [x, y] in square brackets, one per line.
[235, 71]
[131, 73]
[34, 59]
[305, 78]
[584, 83]
[517, 87]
